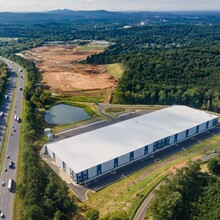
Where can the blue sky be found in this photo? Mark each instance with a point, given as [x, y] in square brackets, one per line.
[114, 5]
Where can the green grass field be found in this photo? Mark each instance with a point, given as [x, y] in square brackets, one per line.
[87, 47]
[115, 69]
[127, 194]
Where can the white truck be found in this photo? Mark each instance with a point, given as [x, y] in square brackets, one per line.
[10, 184]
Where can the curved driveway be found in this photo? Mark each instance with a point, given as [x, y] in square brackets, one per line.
[146, 203]
[6, 197]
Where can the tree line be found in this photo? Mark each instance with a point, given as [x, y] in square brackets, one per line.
[190, 195]
[188, 76]
[3, 78]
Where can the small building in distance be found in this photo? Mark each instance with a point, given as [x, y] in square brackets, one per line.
[89, 155]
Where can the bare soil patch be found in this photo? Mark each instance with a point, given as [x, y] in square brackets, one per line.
[61, 72]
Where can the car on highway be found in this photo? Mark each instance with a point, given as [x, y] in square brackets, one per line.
[8, 156]
[20, 88]
[18, 119]
[10, 164]
[3, 183]
[2, 215]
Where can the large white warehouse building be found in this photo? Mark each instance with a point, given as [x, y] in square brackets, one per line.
[86, 156]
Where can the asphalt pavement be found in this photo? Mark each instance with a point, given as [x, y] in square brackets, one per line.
[96, 125]
[6, 197]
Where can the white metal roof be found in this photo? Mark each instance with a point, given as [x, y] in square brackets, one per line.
[101, 145]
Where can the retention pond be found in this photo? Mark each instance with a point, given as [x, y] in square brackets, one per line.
[62, 114]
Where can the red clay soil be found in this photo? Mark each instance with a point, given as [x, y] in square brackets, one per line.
[61, 72]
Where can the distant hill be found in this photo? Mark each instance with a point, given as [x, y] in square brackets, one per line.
[71, 15]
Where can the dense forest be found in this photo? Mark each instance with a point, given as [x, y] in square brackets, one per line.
[190, 195]
[187, 76]
[167, 65]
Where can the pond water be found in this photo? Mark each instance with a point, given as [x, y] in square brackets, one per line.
[62, 114]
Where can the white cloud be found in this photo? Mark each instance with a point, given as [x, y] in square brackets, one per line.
[42, 5]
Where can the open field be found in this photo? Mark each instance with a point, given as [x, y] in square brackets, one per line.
[87, 47]
[62, 73]
[126, 195]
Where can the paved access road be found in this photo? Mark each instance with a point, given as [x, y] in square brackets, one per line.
[6, 197]
[146, 203]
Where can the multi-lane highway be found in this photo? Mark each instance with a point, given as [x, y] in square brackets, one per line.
[12, 141]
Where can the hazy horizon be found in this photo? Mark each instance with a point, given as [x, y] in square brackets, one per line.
[114, 5]
[56, 9]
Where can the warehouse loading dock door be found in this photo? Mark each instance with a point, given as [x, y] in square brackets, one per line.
[99, 169]
[132, 156]
[115, 162]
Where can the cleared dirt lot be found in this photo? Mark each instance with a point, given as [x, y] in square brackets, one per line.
[61, 72]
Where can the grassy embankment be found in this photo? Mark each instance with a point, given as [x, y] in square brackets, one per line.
[127, 194]
[86, 96]
[115, 69]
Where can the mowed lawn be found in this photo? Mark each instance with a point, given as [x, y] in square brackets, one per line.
[127, 194]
